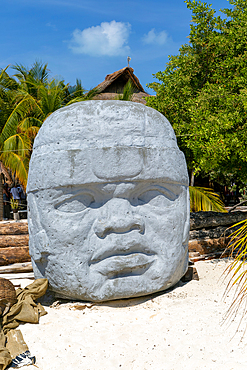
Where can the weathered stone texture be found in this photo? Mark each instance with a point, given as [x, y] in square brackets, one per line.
[108, 199]
[200, 220]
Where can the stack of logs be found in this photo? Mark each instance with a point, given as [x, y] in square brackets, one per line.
[209, 233]
[14, 242]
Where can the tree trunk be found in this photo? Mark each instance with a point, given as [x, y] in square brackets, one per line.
[1, 197]
[192, 179]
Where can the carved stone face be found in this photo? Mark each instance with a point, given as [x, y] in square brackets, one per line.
[108, 221]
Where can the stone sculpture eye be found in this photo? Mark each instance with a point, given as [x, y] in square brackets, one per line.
[157, 197]
[75, 204]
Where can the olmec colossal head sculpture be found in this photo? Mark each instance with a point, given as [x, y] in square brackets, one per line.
[108, 202]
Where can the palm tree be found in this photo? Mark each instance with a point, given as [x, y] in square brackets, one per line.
[29, 98]
[33, 98]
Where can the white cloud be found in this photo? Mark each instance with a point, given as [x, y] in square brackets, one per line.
[159, 38]
[110, 39]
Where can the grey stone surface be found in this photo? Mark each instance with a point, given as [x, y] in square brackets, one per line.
[201, 220]
[108, 202]
[213, 233]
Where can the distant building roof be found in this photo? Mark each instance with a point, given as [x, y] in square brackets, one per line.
[114, 84]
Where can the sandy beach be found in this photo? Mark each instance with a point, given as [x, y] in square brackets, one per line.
[179, 329]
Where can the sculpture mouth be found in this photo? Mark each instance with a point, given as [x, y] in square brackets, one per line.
[123, 265]
[115, 250]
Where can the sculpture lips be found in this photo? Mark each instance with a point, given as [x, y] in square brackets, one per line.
[124, 265]
[115, 249]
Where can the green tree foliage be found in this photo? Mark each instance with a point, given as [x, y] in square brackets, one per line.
[203, 92]
[26, 99]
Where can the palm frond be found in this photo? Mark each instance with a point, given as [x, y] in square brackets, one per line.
[237, 270]
[128, 92]
[9, 127]
[26, 99]
[77, 90]
[8, 83]
[16, 115]
[17, 143]
[40, 71]
[22, 71]
[3, 72]
[18, 165]
[28, 122]
[205, 199]
[88, 96]
[31, 132]
[51, 97]
[91, 94]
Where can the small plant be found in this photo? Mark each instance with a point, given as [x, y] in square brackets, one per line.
[14, 203]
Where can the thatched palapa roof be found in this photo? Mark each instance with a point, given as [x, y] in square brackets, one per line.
[114, 84]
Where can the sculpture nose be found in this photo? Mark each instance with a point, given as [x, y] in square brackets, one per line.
[117, 217]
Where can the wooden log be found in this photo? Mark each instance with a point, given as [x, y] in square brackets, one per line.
[13, 228]
[16, 268]
[210, 256]
[13, 241]
[206, 246]
[15, 276]
[200, 220]
[14, 255]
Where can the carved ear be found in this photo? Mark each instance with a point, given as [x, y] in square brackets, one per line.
[38, 240]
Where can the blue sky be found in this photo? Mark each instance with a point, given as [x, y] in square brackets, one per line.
[90, 39]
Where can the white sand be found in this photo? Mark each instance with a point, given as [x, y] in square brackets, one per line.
[181, 329]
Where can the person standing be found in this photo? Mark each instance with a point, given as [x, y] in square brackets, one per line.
[15, 193]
